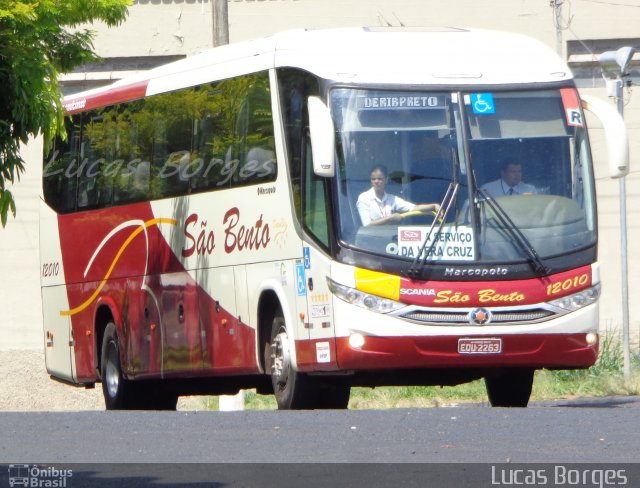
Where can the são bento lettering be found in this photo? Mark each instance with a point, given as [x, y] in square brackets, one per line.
[201, 237]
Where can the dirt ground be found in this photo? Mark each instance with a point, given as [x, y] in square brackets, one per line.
[26, 386]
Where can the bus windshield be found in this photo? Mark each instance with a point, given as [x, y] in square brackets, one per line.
[510, 173]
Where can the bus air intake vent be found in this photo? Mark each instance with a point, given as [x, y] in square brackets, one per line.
[432, 317]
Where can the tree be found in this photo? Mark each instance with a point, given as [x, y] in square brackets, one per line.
[38, 40]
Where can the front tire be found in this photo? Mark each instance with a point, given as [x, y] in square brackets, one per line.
[293, 390]
[510, 388]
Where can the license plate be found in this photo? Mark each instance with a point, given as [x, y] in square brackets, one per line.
[479, 346]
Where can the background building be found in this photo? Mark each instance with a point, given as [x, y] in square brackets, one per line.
[159, 32]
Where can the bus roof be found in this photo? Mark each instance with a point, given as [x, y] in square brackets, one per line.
[374, 55]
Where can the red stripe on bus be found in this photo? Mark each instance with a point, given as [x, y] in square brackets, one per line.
[495, 293]
[521, 350]
[103, 99]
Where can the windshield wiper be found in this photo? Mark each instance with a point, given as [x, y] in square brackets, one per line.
[518, 238]
[420, 260]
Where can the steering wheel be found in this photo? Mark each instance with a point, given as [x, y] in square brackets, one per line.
[419, 216]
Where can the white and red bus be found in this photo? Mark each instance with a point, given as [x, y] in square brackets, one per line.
[200, 231]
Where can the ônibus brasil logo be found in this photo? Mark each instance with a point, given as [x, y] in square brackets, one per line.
[38, 476]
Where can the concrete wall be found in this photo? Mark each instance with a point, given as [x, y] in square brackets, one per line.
[21, 320]
[179, 27]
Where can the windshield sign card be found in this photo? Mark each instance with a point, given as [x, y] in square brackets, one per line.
[451, 243]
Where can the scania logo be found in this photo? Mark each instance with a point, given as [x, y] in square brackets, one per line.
[479, 316]
[428, 292]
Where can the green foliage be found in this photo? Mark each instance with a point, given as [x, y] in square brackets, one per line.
[35, 46]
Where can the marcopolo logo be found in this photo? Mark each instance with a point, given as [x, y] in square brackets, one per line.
[38, 476]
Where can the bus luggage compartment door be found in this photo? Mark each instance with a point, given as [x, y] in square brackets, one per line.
[57, 334]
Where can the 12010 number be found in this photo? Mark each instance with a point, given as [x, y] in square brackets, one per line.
[50, 269]
[568, 284]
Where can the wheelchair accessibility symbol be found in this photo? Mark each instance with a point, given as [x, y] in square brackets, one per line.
[482, 103]
[300, 280]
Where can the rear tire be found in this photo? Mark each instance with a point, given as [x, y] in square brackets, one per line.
[117, 390]
[510, 388]
[122, 394]
[293, 390]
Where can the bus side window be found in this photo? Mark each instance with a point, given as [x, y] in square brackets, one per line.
[315, 210]
[60, 167]
[173, 118]
[233, 142]
[255, 131]
[295, 86]
[173, 176]
[98, 136]
[203, 136]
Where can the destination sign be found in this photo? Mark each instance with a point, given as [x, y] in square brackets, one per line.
[401, 101]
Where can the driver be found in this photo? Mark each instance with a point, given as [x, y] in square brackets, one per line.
[510, 181]
[376, 207]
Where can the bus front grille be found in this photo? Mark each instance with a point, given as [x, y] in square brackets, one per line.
[507, 317]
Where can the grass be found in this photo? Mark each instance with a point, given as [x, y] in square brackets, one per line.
[605, 378]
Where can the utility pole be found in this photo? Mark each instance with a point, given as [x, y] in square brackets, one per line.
[220, 13]
[615, 71]
[557, 20]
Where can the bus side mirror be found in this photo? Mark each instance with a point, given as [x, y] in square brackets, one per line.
[615, 134]
[323, 138]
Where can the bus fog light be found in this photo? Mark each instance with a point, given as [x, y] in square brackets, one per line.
[356, 340]
[592, 339]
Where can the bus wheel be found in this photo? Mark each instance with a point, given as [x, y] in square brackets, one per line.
[118, 393]
[293, 390]
[509, 388]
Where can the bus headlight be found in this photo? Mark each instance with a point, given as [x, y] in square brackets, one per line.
[578, 300]
[363, 300]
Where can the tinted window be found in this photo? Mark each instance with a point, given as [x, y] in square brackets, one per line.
[213, 136]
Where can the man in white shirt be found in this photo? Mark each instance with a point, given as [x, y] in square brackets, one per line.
[510, 182]
[376, 207]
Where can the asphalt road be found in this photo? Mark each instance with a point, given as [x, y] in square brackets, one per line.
[591, 432]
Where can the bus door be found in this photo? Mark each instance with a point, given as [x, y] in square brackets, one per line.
[316, 220]
[318, 320]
